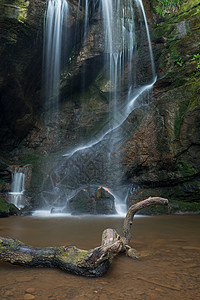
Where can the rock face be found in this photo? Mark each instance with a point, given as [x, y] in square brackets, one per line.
[20, 73]
[160, 151]
[163, 154]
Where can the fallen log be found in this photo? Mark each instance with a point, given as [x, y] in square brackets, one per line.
[91, 263]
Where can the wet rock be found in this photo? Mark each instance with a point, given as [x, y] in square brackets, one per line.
[13, 210]
[8, 294]
[23, 279]
[30, 290]
[82, 203]
[29, 297]
[104, 201]
[92, 201]
[4, 208]
[55, 210]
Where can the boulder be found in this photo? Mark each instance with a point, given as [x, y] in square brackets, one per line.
[105, 201]
[92, 201]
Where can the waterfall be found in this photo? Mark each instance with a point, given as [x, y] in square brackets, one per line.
[88, 165]
[53, 30]
[118, 51]
[17, 188]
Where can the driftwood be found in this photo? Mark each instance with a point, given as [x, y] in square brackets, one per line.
[91, 263]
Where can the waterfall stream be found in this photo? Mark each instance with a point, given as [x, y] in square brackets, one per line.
[89, 165]
[56, 11]
[17, 188]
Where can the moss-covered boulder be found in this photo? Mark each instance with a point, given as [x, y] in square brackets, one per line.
[8, 209]
[4, 208]
[13, 210]
[92, 200]
[105, 201]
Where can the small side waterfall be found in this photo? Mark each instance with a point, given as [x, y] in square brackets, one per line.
[88, 166]
[21, 176]
[17, 189]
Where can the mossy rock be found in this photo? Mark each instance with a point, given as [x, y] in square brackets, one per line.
[4, 208]
[7, 209]
[13, 210]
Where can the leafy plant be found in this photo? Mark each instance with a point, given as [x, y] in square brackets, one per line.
[167, 6]
[196, 56]
[68, 75]
[197, 12]
[70, 59]
[179, 62]
[72, 56]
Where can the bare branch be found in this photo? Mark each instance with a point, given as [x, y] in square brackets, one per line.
[134, 209]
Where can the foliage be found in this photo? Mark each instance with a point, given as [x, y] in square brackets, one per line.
[167, 6]
[197, 12]
[196, 57]
[179, 62]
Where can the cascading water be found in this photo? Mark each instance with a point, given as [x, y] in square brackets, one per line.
[53, 29]
[89, 165]
[17, 188]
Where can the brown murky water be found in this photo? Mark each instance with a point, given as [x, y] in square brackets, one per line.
[172, 271]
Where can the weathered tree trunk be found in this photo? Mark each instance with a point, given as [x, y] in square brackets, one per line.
[92, 263]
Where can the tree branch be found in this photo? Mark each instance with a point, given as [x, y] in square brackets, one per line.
[91, 263]
[134, 209]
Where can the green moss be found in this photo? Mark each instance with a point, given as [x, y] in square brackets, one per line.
[4, 208]
[175, 9]
[174, 52]
[183, 107]
[186, 169]
[72, 255]
[185, 207]
[188, 5]
[13, 210]
[155, 210]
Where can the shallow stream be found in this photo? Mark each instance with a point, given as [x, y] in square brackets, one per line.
[171, 271]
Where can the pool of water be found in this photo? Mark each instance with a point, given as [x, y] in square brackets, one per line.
[170, 271]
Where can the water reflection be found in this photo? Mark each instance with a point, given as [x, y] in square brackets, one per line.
[172, 271]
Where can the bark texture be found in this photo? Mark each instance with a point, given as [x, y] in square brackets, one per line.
[91, 263]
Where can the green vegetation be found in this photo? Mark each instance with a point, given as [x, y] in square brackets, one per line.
[72, 56]
[13, 210]
[164, 7]
[7, 209]
[197, 12]
[196, 58]
[183, 107]
[186, 169]
[4, 208]
[185, 207]
[179, 62]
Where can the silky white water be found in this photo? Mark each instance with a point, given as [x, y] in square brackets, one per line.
[17, 188]
[56, 11]
[120, 72]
